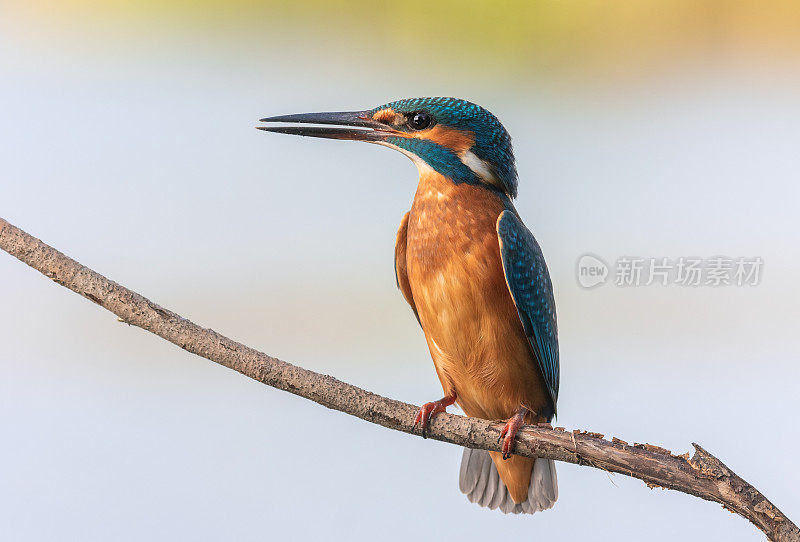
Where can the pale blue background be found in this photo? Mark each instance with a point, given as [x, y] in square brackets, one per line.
[139, 159]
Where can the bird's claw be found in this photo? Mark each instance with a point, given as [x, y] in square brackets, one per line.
[507, 436]
[426, 414]
[509, 432]
[429, 410]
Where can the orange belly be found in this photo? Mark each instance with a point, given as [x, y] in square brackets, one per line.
[470, 322]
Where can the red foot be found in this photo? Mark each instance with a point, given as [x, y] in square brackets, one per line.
[509, 432]
[429, 410]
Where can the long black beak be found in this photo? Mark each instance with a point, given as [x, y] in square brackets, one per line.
[353, 125]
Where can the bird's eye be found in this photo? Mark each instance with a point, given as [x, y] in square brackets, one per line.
[419, 120]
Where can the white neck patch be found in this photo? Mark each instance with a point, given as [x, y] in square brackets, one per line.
[481, 169]
[478, 166]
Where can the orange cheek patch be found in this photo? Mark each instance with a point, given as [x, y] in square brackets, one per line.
[457, 140]
[386, 116]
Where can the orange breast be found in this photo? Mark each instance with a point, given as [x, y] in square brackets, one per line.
[469, 319]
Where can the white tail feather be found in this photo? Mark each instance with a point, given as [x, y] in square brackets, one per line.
[480, 482]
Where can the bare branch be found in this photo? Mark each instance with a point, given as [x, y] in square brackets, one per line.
[702, 475]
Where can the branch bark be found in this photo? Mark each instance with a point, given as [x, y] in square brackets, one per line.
[702, 475]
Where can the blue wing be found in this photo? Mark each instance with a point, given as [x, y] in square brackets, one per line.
[530, 287]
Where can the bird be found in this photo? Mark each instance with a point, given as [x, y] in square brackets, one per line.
[475, 278]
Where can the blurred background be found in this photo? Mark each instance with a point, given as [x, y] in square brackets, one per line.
[652, 129]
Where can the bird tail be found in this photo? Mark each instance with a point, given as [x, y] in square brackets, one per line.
[481, 483]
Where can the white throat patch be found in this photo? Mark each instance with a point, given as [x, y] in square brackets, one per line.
[422, 165]
[470, 159]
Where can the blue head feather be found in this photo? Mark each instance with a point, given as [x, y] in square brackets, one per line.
[492, 141]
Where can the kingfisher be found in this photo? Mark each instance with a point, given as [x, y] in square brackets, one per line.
[475, 278]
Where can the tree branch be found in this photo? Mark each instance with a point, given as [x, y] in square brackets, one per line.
[702, 475]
